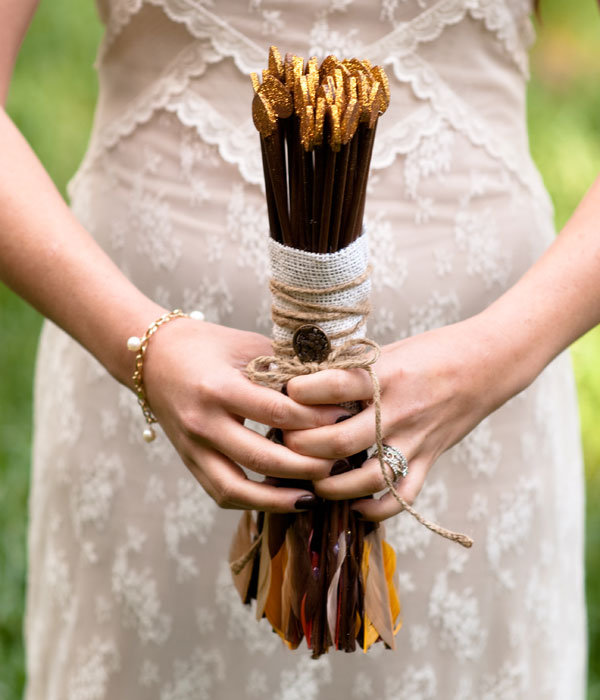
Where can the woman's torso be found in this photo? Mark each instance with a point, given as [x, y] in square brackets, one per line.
[127, 553]
[171, 183]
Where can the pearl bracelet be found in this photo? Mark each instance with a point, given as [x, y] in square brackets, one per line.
[139, 346]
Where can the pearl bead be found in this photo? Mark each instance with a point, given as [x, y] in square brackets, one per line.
[134, 343]
[197, 315]
[149, 434]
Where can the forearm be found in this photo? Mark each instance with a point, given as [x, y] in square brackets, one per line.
[48, 258]
[556, 301]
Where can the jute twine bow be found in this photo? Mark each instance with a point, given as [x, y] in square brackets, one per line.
[292, 307]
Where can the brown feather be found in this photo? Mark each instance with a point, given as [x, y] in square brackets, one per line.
[264, 571]
[243, 539]
[377, 604]
[290, 596]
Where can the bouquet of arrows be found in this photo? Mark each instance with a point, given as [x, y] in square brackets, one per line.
[324, 575]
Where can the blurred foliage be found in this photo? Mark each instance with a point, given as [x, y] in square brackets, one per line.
[564, 128]
[52, 99]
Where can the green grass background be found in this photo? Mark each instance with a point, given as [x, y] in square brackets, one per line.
[51, 100]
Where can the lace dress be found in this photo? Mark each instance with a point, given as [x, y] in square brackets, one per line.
[129, 591]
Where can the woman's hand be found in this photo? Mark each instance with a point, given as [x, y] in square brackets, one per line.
[194, 381]
[435, 388]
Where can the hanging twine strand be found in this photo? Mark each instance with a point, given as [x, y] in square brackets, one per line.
[462, 539]
[238, 565]
[291, 307]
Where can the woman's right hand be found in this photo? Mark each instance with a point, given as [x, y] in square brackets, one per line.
[195, 385]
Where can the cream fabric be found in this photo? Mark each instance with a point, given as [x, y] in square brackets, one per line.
[129, 591]
[315, 271]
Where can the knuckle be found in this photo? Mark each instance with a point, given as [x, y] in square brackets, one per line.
[293, 441]
[316, 470]
[224, 495]
[409, 496]
[277, 412]
[229, 506]
[209, 387]
[377, 482]
[256, 459]
[192, 423]
[340, 442]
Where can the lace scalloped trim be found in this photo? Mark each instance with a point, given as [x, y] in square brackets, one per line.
[404, 136]
[499, 20]
[189, 63]
[236, 145]
[201, 24]
[429, 25]
[405, 38]
[427, 85]
[225, 39]
[120, 15]
[239, 146]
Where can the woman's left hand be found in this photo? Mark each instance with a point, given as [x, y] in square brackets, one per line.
[435, 388]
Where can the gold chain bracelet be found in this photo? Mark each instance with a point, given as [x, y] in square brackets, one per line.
[139, 346]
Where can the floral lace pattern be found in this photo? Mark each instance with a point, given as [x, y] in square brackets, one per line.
[227, 42]
[127, 552]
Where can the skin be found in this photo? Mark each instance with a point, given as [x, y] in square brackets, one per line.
[45, 254]
[436, 386]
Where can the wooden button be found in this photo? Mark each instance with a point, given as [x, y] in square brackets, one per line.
[311, 344]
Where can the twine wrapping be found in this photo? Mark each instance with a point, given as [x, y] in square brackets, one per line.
[330, 290]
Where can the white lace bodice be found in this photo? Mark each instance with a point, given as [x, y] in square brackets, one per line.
[127, 552]
[201, 54]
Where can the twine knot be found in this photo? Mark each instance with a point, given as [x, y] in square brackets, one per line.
[293, 306]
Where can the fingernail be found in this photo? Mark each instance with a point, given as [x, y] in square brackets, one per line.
[343, 418]
[275, 435]
[307, 502]
[339, 467]
[358, 459]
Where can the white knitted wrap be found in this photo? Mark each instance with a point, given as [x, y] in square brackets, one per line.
[299, 268]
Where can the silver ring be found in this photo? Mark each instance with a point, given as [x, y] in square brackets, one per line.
[396, 461]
